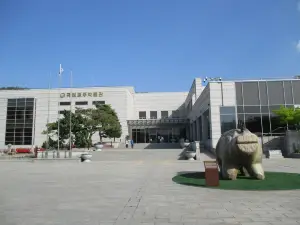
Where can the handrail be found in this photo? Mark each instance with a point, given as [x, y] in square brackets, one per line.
[277, 129]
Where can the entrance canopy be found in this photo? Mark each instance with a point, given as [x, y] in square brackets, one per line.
[151, 123]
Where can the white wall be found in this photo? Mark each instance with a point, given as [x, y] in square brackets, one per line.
[229, 99]
[3, 108]
[120, 98]
[158, 101]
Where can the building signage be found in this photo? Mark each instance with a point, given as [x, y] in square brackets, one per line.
[81, 94]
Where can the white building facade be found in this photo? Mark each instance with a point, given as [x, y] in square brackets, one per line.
[201, 114]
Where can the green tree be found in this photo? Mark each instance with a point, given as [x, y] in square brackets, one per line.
[288, 116]
[84, 124]
[64, 128]
[89, 124]
[109, 122]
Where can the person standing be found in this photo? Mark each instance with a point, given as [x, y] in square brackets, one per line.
[126, 143]
[132, 143]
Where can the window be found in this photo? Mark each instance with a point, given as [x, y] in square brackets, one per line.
[62, 111]
[142, 115]
[252, 109]
[251, 93]
[164, 114]
[296, 90]
[175, 114]
[227, 118]
[227, 110]
[81, 103]
[19, 121]
[65, 103]
[288, 93]
[228, 122]
[239, 93]
[275, 92]
[253, 123]
[263, 92]
[153, 114]
[98, 102]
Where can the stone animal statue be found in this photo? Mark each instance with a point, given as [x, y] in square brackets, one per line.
[239, 149]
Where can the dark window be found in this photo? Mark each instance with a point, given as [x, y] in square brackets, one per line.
[240, 118]
[19, 121]
[253, 122]
[9, 130]
[240, 109]
[200, 128]
[81, 103]
[12, 103]
[10, 116]
[275, 92]
[98, 102]
[228, 122]
[164, 114]
[27, 132]
[153, 114]
[227, 110]
[62, 111]
[250, 93]
[296, 90]
[142, 115]
[21, 102]
[273, 107]
[65, 103]
[266, 123]
[276, 126]
[30, 102]
[175, 114]
[265, 109]
[252, 109]
[239, 93]
[288, 92]
[27, 140]
[263, 92]
[20, 115]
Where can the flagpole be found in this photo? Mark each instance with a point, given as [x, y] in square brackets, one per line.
[71, 85]
[48, 115]
[58, 114]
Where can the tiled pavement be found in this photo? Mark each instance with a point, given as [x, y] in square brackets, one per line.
[134, 187]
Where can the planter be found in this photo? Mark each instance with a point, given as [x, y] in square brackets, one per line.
[190, 155]
[86, 157]
[98, 147]
[294, 155]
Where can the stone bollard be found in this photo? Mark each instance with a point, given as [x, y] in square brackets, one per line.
[197, 143]
[85, 157]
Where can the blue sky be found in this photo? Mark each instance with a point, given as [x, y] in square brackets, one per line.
[154, 45]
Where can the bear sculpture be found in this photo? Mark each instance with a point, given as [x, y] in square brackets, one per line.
[239, 149]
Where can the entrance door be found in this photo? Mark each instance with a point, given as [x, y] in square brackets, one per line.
[139, 135]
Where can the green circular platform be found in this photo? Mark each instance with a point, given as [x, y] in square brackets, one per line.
[273, 181]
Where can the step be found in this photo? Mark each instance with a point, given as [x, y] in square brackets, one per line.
[275, 154]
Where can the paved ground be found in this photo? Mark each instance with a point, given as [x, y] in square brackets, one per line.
[130, 188]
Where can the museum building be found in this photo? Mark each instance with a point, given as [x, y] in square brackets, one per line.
[201, 114]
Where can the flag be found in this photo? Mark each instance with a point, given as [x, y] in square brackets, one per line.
[61, 70]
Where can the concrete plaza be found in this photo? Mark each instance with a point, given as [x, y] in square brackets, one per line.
[134, 187]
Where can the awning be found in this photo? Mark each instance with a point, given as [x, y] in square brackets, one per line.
[156, 122]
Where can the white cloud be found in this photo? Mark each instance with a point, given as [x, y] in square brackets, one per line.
[298, 46]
